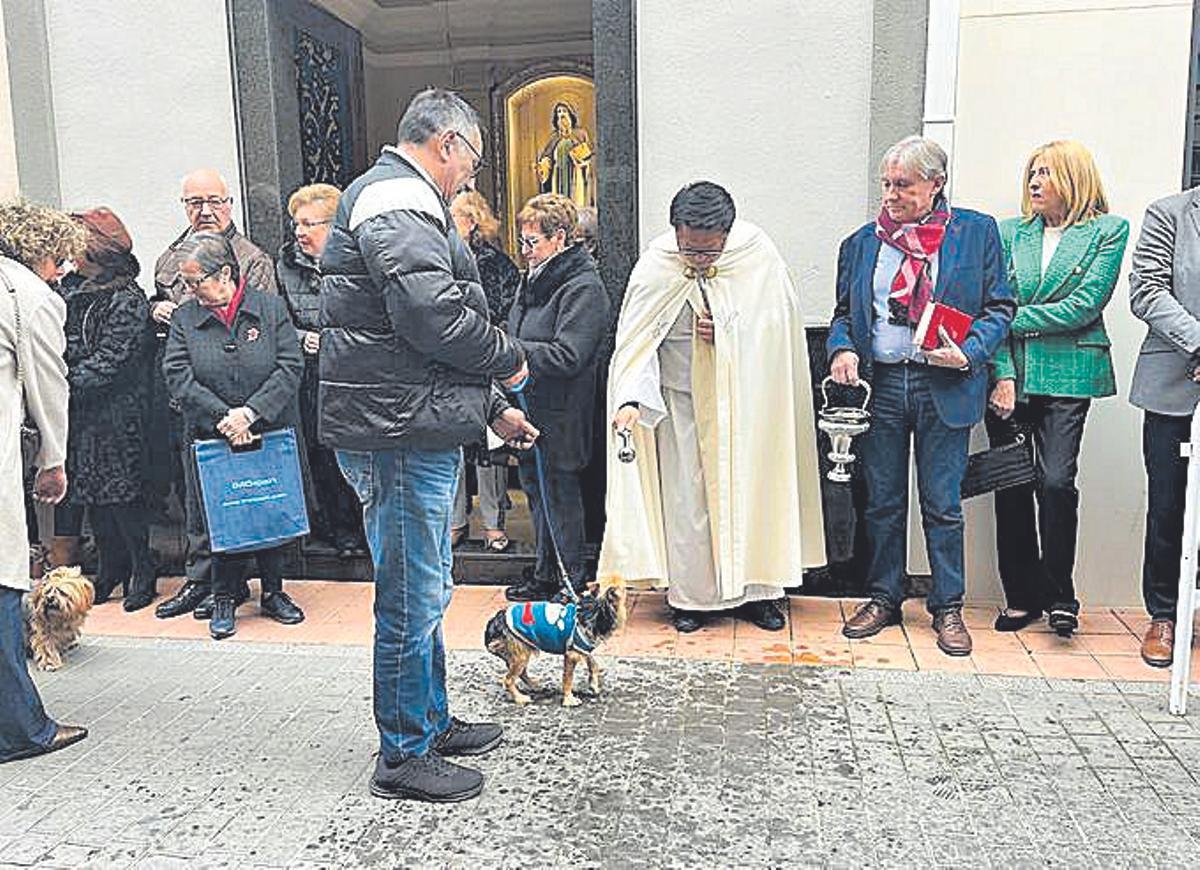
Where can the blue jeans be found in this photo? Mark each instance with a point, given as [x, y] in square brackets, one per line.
[407, 498]
[23, 722]
[902, 407]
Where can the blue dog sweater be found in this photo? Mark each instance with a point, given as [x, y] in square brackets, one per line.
[548, 626]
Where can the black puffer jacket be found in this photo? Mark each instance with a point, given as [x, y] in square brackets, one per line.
[407, 352]
[559, 320]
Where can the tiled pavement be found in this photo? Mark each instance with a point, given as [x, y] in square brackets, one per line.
[340, 613]
[250, 754]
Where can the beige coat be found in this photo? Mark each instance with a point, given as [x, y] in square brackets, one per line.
[45, 374]
[752, 395]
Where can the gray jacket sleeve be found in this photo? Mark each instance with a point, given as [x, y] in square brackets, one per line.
[45, 374]
[408, 256]
[279, 390]
[1152, 296]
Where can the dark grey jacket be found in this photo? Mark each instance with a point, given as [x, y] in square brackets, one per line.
[210, 369]
[559, 319]
[407, 352]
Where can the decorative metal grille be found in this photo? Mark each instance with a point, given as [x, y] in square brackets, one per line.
[322, 81]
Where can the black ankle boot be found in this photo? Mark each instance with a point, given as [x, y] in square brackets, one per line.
[140, 593]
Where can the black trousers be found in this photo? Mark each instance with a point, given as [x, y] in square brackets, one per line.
[231, 569]
[565, 512]
[122, 533]
[1036, 549]
[1166, 478]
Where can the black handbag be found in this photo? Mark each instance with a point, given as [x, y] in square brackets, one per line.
[1000, 467]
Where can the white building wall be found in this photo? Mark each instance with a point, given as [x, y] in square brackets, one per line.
[142, 94]
[771, 104]
[1113, 75]
[8, 146]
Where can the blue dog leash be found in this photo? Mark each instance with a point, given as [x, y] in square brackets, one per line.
[540, 468]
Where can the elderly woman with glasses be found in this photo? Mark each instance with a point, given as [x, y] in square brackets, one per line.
[334, 510]
[233, 363]
[558, 319]
[918, 252]
[500, 278]
[1064, 257]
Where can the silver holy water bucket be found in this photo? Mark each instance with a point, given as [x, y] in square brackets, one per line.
[841, 425]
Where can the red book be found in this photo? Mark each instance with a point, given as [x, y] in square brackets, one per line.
[938, 314]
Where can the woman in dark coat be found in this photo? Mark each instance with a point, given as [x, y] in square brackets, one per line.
[233, 363]
[334, 511]
[500, 279]
[559, 320]
[109, 354]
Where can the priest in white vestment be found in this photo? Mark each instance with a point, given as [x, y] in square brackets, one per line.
[710, 375]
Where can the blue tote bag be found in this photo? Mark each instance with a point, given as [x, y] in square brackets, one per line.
[253, 496]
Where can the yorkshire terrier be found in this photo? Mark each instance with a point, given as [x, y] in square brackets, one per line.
[573, 630]
[54, 613]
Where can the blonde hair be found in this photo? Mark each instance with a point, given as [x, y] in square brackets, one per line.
[324, 195]
[30, 233]
[473, 205]
[551, 212]
[1074, 175]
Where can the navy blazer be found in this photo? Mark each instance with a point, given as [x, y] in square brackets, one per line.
[971, 277]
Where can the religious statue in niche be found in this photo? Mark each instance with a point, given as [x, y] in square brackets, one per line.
[564, 164]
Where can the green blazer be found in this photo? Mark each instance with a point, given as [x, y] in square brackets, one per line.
[1058, 345]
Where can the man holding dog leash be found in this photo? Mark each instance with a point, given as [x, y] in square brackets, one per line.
[408, 355]
[33, 381]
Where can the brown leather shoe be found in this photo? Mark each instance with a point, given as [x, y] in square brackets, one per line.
[64, 736]
[952, 636]
[870, 619]
[1158, 646]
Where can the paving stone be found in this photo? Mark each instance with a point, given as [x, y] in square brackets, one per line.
[248, 755]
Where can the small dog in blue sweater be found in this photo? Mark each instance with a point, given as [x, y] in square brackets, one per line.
[519, 632]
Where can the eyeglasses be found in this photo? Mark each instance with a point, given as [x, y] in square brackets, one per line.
[312, 225]
[195, 203]
[477, 161]
[530, 241]
[193, 283]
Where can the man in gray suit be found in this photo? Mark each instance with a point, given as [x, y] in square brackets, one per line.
[1165, 292]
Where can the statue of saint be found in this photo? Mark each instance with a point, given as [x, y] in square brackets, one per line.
[564, 164]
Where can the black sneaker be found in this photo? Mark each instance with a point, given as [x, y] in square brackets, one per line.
[223, 624]
[1064, 617]
[183, 601]
[427, 778]
[280, 607]
[205, 608]
[468, 738]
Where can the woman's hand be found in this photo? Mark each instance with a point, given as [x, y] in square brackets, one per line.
[310, 342]
[162, 311]
[1004, 398]
[626, 417]
[844, 368]
[704, 327]
[235, 425]
[949, 355]
[50, 485]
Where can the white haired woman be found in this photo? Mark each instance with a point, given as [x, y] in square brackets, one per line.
[916, 253]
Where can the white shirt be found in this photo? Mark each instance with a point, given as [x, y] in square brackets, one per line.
[1051, 236]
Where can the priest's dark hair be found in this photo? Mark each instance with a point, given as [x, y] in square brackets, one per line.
[703, 205]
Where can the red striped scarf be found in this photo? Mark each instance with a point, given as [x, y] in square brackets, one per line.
[912, 287]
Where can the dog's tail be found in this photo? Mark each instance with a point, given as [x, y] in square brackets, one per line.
[495, 630]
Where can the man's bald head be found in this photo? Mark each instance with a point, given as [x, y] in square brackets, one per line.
[206, 200]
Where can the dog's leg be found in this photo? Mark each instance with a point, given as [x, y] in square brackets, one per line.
[530, 683]
[515, 667]
[570, 660]
[593, 674]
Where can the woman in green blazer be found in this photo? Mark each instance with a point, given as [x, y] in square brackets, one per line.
[1064, 257]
